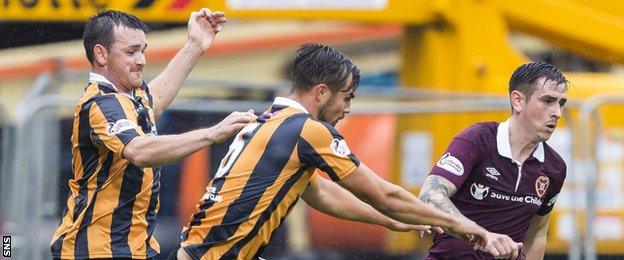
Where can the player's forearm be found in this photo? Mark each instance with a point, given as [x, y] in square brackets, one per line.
[404, 207]
[436, 192]
[340, 203]
[150, 151]
[439, 201]
[393, 200]
[444, 204]
[166, 85]
[535, 239]
[535, 248]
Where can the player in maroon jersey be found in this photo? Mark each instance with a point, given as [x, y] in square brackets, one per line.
[504, 176]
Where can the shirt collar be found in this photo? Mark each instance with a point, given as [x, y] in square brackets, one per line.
[282, 101]
[94, 77]
[503, 144]
[97, 78]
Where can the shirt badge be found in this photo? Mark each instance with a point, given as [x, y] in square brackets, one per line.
[340, 148]
[451, 164]
[541, 185]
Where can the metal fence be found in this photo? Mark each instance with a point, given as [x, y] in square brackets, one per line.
[30, 186]
[33, 184]
[5, 139]
[589, 128]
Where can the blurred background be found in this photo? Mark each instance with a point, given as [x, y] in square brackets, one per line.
[430, 68]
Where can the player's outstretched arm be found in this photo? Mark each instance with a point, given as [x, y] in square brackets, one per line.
[203, 26]
[535, 239]
[149, 151]
[436, 191]
[328, 197]
[397, 203]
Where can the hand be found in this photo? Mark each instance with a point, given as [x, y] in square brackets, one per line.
[470, 232]
[502, 246]
[429, 231]
[230, 125]
[203, 26]
[402, 227]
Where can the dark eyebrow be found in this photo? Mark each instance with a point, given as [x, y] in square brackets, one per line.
[548, 97]
[137, 46]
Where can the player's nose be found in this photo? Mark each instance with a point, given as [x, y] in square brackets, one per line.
[347, 110]
[557, 112]
[141, 60]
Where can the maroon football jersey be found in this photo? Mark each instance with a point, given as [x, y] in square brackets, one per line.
[493, 189]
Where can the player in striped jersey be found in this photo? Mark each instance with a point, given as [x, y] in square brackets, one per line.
[272, 163]
[116, 152]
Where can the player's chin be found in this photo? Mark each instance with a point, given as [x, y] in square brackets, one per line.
[137, 76]
[137, 82]
[339, 118]
[545, 136]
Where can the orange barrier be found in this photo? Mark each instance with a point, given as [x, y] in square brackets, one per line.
[193, 181]
[372, 139]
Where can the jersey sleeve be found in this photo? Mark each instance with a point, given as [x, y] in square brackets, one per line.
[112, 123]
[313, 178]
[551, 198]
[461, 156]
[321, 146]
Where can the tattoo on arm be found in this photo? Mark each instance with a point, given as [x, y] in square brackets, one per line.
[436, 191]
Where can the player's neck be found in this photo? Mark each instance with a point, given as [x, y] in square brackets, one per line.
[118, 87]
[307, 102]
[521, 142]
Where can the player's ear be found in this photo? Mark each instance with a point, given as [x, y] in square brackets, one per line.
[100, 55]
[518, 101]
[321, 92]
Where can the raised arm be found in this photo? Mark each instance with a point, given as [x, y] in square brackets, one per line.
[329, 198]
[202, 29]
[535, 240]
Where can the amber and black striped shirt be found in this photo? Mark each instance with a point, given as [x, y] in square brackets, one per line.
[269, 165]
[112, 205]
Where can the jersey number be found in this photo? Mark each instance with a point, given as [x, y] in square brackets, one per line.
[235, 149]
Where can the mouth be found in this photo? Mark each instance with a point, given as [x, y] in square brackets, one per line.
[137, 74]
[551, 126]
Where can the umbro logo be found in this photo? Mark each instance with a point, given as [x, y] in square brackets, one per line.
[492, 173]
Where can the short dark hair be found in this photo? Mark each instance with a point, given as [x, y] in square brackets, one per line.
[318, 63]
[99, 29]
[524, 78]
